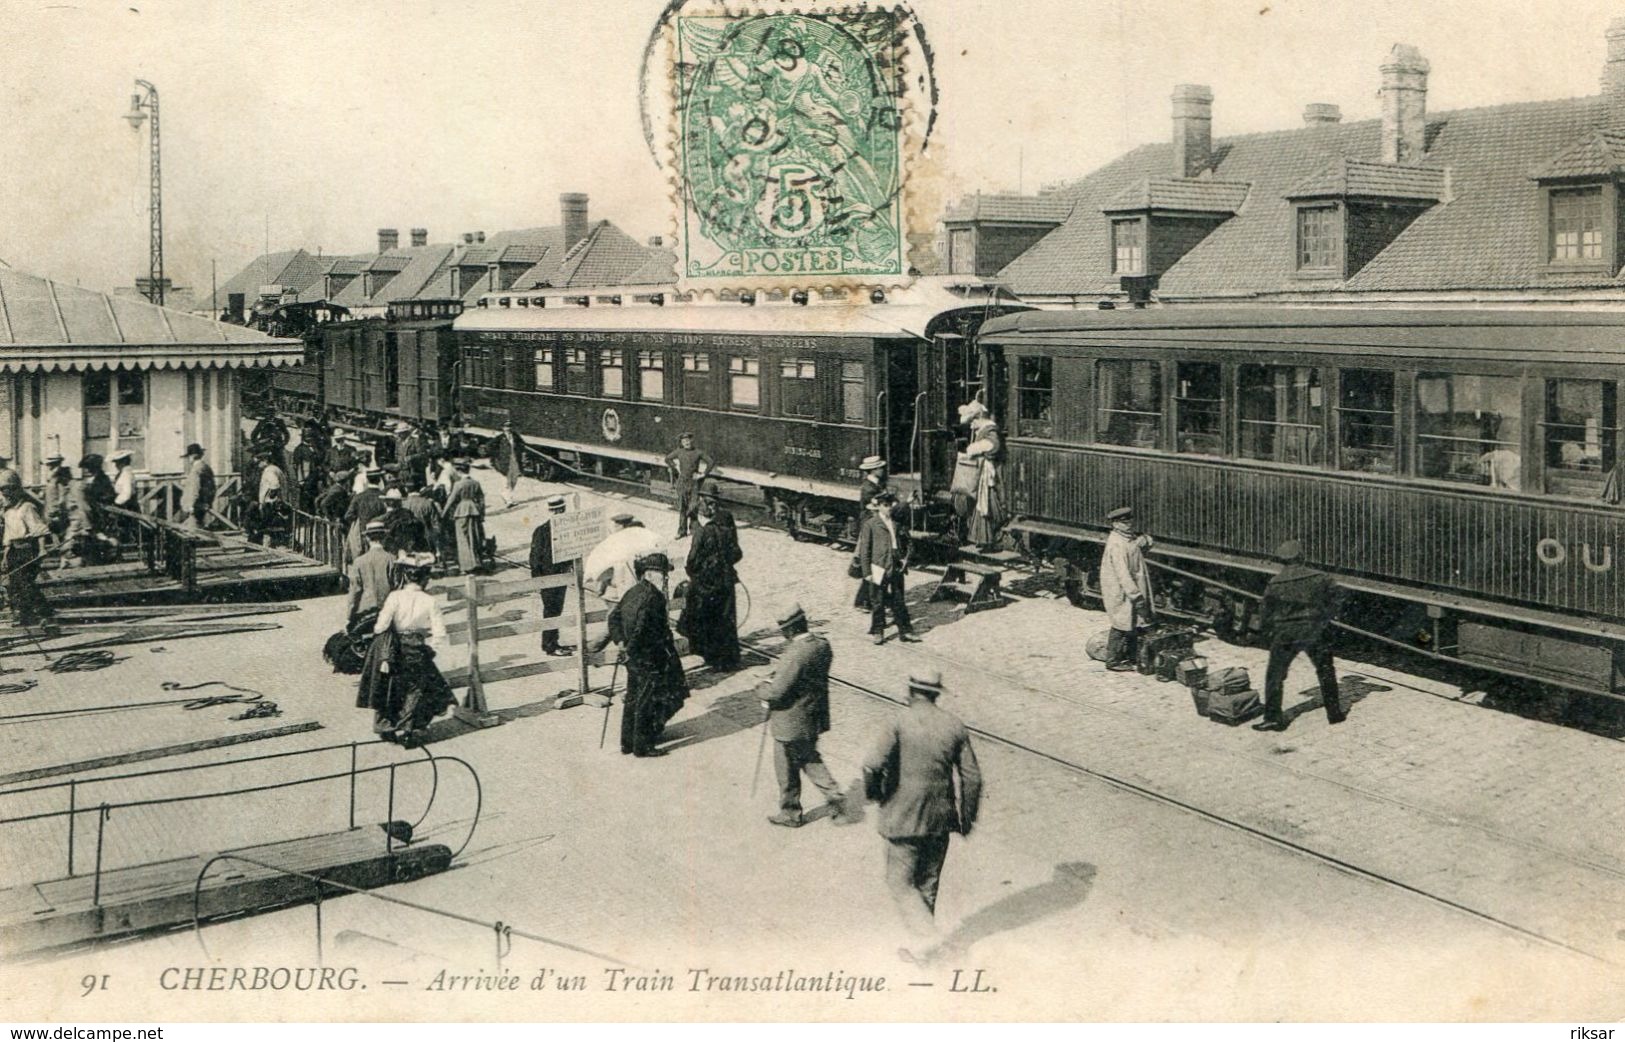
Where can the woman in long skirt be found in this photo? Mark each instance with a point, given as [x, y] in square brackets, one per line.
[400, 682]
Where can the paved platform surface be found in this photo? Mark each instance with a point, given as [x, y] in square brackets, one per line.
[1171, 878]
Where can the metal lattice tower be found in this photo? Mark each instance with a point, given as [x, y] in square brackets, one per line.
[155, 213]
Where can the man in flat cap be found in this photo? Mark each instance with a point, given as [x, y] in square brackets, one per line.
[542, 563]
[197, 488]
[912, 773]
[1125, 586]
[796, 698]
[1297, 612]
[710, 618]
[655, 688]
[688, 466]
[370, 578]
[466, 508]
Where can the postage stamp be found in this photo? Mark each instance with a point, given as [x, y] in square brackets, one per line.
[792, 133]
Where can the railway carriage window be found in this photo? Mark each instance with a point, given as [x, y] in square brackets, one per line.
[1575, 225]
[1129, 397]
[854, 393]
[1580, 435]
[544, 368]
[1199, 409]
[696, 379]
[744, 385]
[577, 377]
[1365, 422]
[1468, 428]
[1282, 414]
[651, 376]
[798, 387]
[1035, 397]
[612, 372]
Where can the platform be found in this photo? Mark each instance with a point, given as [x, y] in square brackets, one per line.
[56, 913]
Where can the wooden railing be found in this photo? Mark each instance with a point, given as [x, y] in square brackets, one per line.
[319, 539]
[164, 547]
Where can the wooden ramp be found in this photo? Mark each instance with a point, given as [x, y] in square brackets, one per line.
[243, 572]
[38, 917]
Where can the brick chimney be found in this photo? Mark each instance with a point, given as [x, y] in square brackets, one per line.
[388, 239]
[1193, 129]
[573, 217]
[1613, 74]
[468, 238]
[1320, 112]
[1404, 105]
[479, 237]
[420, 236]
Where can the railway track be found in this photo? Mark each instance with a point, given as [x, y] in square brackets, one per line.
[1340, 864]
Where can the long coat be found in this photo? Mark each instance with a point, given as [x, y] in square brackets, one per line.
[197, 489]
[911, 773]
[710, 618]
[655, 687]
[797, 694]
[1123, 575]
[507, 452]
[1298, 606]
[880, 550]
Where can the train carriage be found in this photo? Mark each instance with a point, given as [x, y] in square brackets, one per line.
[787, 395]
[379, 370]
[1451, 465]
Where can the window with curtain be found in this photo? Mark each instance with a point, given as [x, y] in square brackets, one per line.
[1199, 408]
[612, 372]
[544, 369]
[1579, 434]
[854, 393]
[577, 371]
[1367, 422]
[1469, 428]
[1128, 396]
[744, 383]
[651, 376]
[696, 379]
[1281, 414]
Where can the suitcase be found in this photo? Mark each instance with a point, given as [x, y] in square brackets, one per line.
[1155, 642]
[1199, 696]
[1233, 707]
[1168, 660]
[1229, 680]
[1191, 671]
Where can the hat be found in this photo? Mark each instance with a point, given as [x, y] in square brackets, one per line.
[928, 680]
[971, 410]
[655, 561]
[394, 494]
[556, 504]
[1120, 514]
[375, 474]
[121, 456]
[91, 461]
[401, 427]
[685, 434]
[507, 423]
[417, 560]
[376, 525]
[461, 463]
[872, 463]
[193, 449]
[1289, 551]
[792, 615]
[623, 519]
[53, 460]
[709, 492]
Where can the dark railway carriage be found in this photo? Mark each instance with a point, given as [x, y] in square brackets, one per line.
[786, 396]
[294, 391]
[401, 366]
[1456, 468]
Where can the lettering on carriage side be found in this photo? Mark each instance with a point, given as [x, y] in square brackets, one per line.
[1553, 553]
[797, 450]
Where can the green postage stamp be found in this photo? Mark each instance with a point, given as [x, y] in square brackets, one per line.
[792, 133]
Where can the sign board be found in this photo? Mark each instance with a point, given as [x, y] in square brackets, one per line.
[577, 532]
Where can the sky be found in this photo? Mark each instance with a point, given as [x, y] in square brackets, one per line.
[313, 124]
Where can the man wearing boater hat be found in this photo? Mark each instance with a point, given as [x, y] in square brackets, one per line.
[796, 698]
[370, 578]
[542, 563]
[911, 773]
[873, 469]
[1125, 587]
[1298, 608]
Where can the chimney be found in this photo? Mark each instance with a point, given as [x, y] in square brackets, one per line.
[1613, 74]
[573, 217]
[1193, 129]
[468, 238]
[1320, 112]
[388, 239]
[1404, 105]
[235, 306]
[420, 236]
[479, 237]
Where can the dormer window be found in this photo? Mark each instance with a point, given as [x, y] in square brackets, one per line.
[1128, 246]
[1320, 239]
[1575, 225]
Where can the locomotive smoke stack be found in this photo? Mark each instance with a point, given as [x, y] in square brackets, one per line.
[573, 217]
[388, 239]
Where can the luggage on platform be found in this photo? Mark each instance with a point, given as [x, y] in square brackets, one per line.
[1233, 707]
[1191, 671]
[1154, 642]
[1229, 680]
[1095, 646]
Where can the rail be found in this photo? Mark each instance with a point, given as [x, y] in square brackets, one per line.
[503, 933]
[317, 538]
[104, 810]
[163, 546]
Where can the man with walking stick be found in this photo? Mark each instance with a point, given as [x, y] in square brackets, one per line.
[796, 698]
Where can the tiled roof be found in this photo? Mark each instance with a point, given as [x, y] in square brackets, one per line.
[473, 256]
[1601, 154]
[660, 268]
[606, 257]
[1484, 237]
[520, 253]
[1009, 208]
[393, 261]
[292, 269]
[1167, 193]
[47, 325]
[426, 263]
[1344, 176]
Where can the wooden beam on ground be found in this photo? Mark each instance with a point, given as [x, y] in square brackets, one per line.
[157, 752]
[458, 678]
[517, 626]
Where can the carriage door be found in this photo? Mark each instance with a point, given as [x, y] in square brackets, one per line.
[934, 438]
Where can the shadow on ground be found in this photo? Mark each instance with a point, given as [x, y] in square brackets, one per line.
[1066, 888]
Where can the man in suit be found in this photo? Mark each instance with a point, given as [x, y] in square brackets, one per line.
[796, 698]
[911, 774]
[542, 563]
[466, 508]
[688, 466]
[873, 469]
[507, 456]
[197, 488]
[883, 561]
[370, 579]
[1125, 587]
[1298, 608]
[655, 688]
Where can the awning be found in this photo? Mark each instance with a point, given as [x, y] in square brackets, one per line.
[162, 356]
